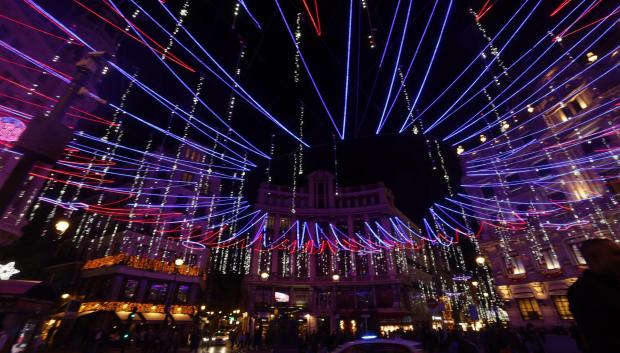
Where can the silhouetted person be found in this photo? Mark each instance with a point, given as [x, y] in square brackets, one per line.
[595, 297]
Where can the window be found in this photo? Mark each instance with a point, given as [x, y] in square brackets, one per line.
[187, 177]
[320, 195]
[576, 251]
[284, 223]
[562, 307]
[167, 255]
[270, 221]
[364, 297]
[263, 296]
[529, 309]
[130, 289]
[191, 259]
[182, 293]
[157, 292]
[550, 259]
[361, 264]
[613, 186]
[515, 265]
[384, 296]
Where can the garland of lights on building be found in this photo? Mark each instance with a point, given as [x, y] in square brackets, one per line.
[499, 120]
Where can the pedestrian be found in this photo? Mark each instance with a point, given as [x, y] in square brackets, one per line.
[460, 344]
[533, 340]
[576, 335]
[194, 342]
[593, 298]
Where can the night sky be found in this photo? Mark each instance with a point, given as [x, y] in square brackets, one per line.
[399, 160]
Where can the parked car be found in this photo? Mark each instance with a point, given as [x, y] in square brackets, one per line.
[372, 345]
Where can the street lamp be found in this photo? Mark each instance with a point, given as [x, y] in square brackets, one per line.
[591, 57]
[474, 283]
[480, 260]
[336, 277]
[61, 226]
[65, 296]
[264, 275]
[179, 262]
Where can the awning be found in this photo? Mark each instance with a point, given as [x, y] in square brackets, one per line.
[83, 313]
[179, 318]
[158, 317]
[153, 317]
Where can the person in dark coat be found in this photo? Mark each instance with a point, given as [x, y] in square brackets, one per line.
[595, 297]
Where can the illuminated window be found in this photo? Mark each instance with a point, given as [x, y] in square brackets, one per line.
[550, 259]
[575, 249]
[284, 223]
[187, 177]
[562, 307]
[157, 292]
[182, 293]
[270, 221]
[131, 287]
[515, 265]
[529, 309]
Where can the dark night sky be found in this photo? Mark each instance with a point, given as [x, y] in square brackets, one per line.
[401, 161]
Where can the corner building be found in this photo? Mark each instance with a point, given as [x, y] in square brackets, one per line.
[333, 291]
[534, 266]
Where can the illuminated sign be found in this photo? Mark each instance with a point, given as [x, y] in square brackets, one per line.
[281, 297]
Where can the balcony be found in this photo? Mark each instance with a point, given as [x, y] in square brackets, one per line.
[142, 263]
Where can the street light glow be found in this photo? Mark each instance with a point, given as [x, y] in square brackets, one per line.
[61, 226]
[179, 262]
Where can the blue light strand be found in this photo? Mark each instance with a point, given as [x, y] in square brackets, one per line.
[415, 55]
[247, 10]
[127, 75]
[540, 98]
[387, 41]
[515, 62]
[383, 118]
[303, 61]
[477, 117]
[347, 80]
[235, 86]
[443, 116]
[428, 70]
[476, 58]
[513, 151]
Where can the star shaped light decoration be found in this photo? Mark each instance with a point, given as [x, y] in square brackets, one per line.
[8, 270]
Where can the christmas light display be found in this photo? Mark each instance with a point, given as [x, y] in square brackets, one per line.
[540, 122]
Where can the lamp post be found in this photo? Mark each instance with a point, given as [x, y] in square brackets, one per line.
[45, 138]
[178, 262]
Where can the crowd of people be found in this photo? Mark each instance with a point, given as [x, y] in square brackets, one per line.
[494, 339]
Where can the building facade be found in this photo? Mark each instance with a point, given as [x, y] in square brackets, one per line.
[332, 290]
[32, 47]
[565, 190]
